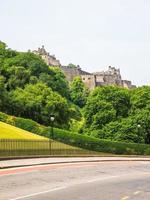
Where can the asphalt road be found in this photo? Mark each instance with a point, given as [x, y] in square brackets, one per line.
[79, 181]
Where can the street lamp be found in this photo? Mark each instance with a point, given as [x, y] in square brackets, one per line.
[52, 118]
[139, 132]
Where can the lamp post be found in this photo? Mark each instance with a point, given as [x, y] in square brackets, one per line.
[139, 132]
[52, 118]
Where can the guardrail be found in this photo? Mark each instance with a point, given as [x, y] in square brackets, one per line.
[29, 148]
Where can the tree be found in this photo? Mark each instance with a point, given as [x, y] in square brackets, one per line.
[122, 130]
[117, 96]
[56, 80]
[106, 104]
[140, 98]
[142, 118]
[98, 113]
[78, 92]
[38, 102]
[71, 65]
[2, 92]
[19, 76]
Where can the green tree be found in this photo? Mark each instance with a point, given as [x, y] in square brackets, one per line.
[19, 76]
[142, 118]
[78, 92]
[2, 92]
[97, 113]
[38, 102]
[140, 98]
[117, 96]
[56, 80]
[72, 65]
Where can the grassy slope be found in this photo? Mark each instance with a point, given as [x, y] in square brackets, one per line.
[10, 132]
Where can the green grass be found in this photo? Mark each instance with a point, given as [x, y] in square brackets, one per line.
[11, 132]
[15, 140]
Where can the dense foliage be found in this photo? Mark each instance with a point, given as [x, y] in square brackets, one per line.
[31, 89]
[78, 92]
[119, 114]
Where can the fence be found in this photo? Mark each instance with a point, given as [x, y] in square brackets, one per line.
[29, 148]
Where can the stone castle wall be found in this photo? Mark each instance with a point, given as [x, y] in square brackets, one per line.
[111, 76]
[49, 59]
[89, 81]
[70, 72]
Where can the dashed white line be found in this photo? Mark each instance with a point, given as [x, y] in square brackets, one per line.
[137, 192]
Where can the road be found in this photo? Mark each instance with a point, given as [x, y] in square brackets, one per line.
[119, 180]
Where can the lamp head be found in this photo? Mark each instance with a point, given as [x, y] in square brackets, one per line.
[52, 118]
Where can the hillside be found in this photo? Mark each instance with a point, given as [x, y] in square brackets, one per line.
[10, 132]
[16, 142]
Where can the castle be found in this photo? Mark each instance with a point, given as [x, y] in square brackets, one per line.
[110, 77]
[49, 59]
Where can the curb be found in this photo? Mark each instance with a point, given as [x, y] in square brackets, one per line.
[63, 162]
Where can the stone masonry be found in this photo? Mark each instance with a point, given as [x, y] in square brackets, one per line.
[49, 59]
[111, 76]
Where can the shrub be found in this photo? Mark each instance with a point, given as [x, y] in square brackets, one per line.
[3, 117]
[130, 151]
[27, 124]
[147, 151]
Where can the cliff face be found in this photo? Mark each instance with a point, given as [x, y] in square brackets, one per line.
[111, 76]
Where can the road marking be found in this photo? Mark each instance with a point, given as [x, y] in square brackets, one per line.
[35, 194]
[101, 179]
[137, 192]
[126, 197]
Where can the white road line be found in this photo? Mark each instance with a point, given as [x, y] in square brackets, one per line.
[125, 198]
[60, 188]
[87, 181]
[101, 179]
[35, 194]
[137, 192]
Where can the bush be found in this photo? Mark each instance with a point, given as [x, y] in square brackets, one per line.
[3, 117]
[26, 124]
[95, 144]
[130, 151]
[147, 151]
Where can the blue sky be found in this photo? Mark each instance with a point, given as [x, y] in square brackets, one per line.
[91, 33]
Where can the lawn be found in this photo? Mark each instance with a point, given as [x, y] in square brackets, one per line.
[15, 141]
[11, 132]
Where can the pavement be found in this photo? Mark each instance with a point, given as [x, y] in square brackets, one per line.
[98, 180]
[42, 161]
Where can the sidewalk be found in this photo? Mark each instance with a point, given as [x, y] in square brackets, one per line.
[42, 161]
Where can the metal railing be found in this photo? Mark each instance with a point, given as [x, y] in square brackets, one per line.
[29, 148]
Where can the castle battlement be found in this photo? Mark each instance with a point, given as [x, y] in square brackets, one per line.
[49, 59]
[111, 76]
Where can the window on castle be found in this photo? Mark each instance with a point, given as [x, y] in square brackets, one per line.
[83, 78]
[89, 78]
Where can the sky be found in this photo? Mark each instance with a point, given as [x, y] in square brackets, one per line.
[94, 34]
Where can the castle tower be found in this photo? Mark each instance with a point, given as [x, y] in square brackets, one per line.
[49, 59]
